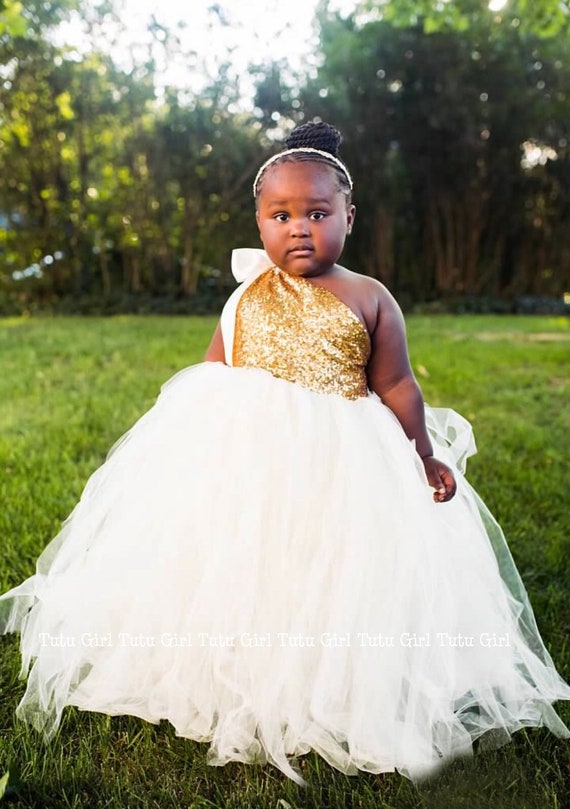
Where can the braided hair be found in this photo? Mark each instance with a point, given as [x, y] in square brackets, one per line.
[315, 135]
[322, 141]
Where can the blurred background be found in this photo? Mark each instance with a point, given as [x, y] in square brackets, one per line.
[130, 133]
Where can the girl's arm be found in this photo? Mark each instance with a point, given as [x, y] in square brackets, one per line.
[391, 377]
[215, 351]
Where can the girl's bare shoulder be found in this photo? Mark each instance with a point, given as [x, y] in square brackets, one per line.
[372, 291]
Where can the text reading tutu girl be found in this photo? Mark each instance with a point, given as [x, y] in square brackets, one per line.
[273, 558]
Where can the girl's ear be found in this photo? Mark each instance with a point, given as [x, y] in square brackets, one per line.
[258, 227]
[350, 215]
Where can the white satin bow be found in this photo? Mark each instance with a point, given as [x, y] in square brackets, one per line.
[249, 261]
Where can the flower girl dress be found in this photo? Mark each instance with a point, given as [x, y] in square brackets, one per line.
[260, 562]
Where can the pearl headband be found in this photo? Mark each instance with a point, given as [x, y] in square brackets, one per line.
[305, 150]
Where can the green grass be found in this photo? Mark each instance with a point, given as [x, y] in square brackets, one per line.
[70, 387]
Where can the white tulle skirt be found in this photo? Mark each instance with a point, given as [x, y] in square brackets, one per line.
[264, 567]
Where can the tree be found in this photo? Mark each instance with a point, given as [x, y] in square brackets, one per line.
[435, 118]
[139, 193]
[202, 161]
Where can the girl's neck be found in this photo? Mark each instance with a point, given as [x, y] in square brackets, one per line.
[318, 273]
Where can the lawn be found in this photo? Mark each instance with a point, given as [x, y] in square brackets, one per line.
[69, 387]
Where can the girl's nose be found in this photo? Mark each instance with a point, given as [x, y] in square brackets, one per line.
[299, 227]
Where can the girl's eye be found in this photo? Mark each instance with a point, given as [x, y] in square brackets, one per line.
[281, 217]
[317, 216]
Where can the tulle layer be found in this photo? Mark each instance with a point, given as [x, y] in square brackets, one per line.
[265, 567]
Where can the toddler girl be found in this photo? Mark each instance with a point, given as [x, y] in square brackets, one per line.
[260, 560]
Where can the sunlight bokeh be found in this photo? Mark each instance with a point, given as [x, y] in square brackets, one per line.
[497, 5]
[255, 32]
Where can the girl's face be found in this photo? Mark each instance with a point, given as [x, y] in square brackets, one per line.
[303, 217]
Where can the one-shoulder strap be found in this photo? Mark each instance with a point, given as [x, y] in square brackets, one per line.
[248, 264]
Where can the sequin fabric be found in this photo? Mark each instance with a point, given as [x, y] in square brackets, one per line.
[302, 333]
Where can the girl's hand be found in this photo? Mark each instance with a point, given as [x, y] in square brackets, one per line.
[441, 478]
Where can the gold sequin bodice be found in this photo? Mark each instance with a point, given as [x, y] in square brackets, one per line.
[302, 333]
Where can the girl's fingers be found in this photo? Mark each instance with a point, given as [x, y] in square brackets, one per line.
[449, 484]
[441, 479]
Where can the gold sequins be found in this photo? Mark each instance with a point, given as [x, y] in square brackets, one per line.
[302, 333]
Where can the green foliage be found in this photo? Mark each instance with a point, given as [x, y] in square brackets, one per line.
[32, 18]
[144, 191]
[435, 125]
[133, 192]
[12, 21]
[201, 160]
[543, 18]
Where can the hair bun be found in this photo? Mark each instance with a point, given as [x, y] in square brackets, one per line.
[319, 135]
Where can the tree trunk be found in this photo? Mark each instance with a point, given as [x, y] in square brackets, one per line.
[189, 274]
[385, 246]
[136, 285]
[105, 273]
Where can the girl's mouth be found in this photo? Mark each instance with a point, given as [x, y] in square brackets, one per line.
[301, 250]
